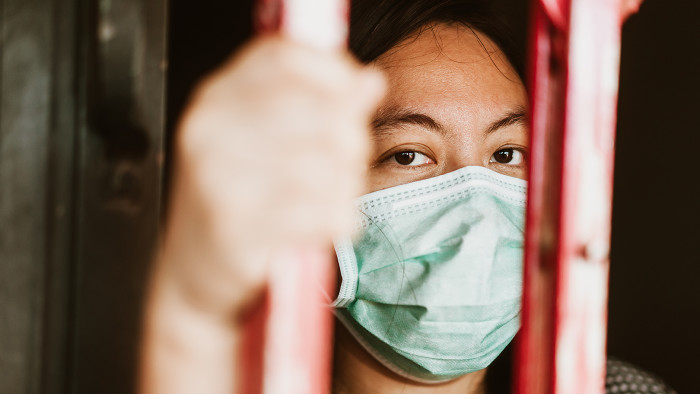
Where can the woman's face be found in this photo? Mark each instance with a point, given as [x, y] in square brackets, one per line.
[454, 100]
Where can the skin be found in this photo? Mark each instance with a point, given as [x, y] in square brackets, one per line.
[453, 101]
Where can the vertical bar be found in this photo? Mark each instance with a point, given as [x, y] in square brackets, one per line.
[535, 345]
[118, 191]
[297, 354]
[292, 353]
[576, 45]
[25, 93]
[588, 151]
[61, 199]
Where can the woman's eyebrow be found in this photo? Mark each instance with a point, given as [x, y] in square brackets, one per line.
[389, 118]
[516, 116]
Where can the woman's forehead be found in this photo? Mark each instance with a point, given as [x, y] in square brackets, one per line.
[453, 71]
[455, 42]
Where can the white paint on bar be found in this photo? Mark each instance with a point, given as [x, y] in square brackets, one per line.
[321, 23]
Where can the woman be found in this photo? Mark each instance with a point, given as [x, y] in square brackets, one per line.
[271, 151]
[454, 102]
[248, 183]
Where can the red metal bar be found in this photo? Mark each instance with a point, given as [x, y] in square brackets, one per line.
[322, 24]
[287, 343]
[574, 74]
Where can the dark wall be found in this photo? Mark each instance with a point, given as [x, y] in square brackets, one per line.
[81, 121]
[202, 35]
[654, 291]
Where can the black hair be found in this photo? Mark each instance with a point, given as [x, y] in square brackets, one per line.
[378, 25]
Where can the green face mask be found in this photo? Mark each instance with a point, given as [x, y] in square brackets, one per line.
[432, 284]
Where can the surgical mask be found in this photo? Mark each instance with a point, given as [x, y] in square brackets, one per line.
[431, 286]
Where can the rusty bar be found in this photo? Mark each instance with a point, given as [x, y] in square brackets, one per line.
[574, 79]
[292, 351]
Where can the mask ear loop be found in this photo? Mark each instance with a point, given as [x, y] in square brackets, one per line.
[324, 293]
[347, 262]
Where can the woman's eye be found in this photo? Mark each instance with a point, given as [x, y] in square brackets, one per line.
[508, 156]
[411, 158]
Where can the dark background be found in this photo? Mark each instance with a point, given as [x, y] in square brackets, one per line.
[655, 263]
[654, 292]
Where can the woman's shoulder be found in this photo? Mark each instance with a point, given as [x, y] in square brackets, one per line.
[623, 378]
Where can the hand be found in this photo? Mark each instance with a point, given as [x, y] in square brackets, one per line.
[269, 155]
